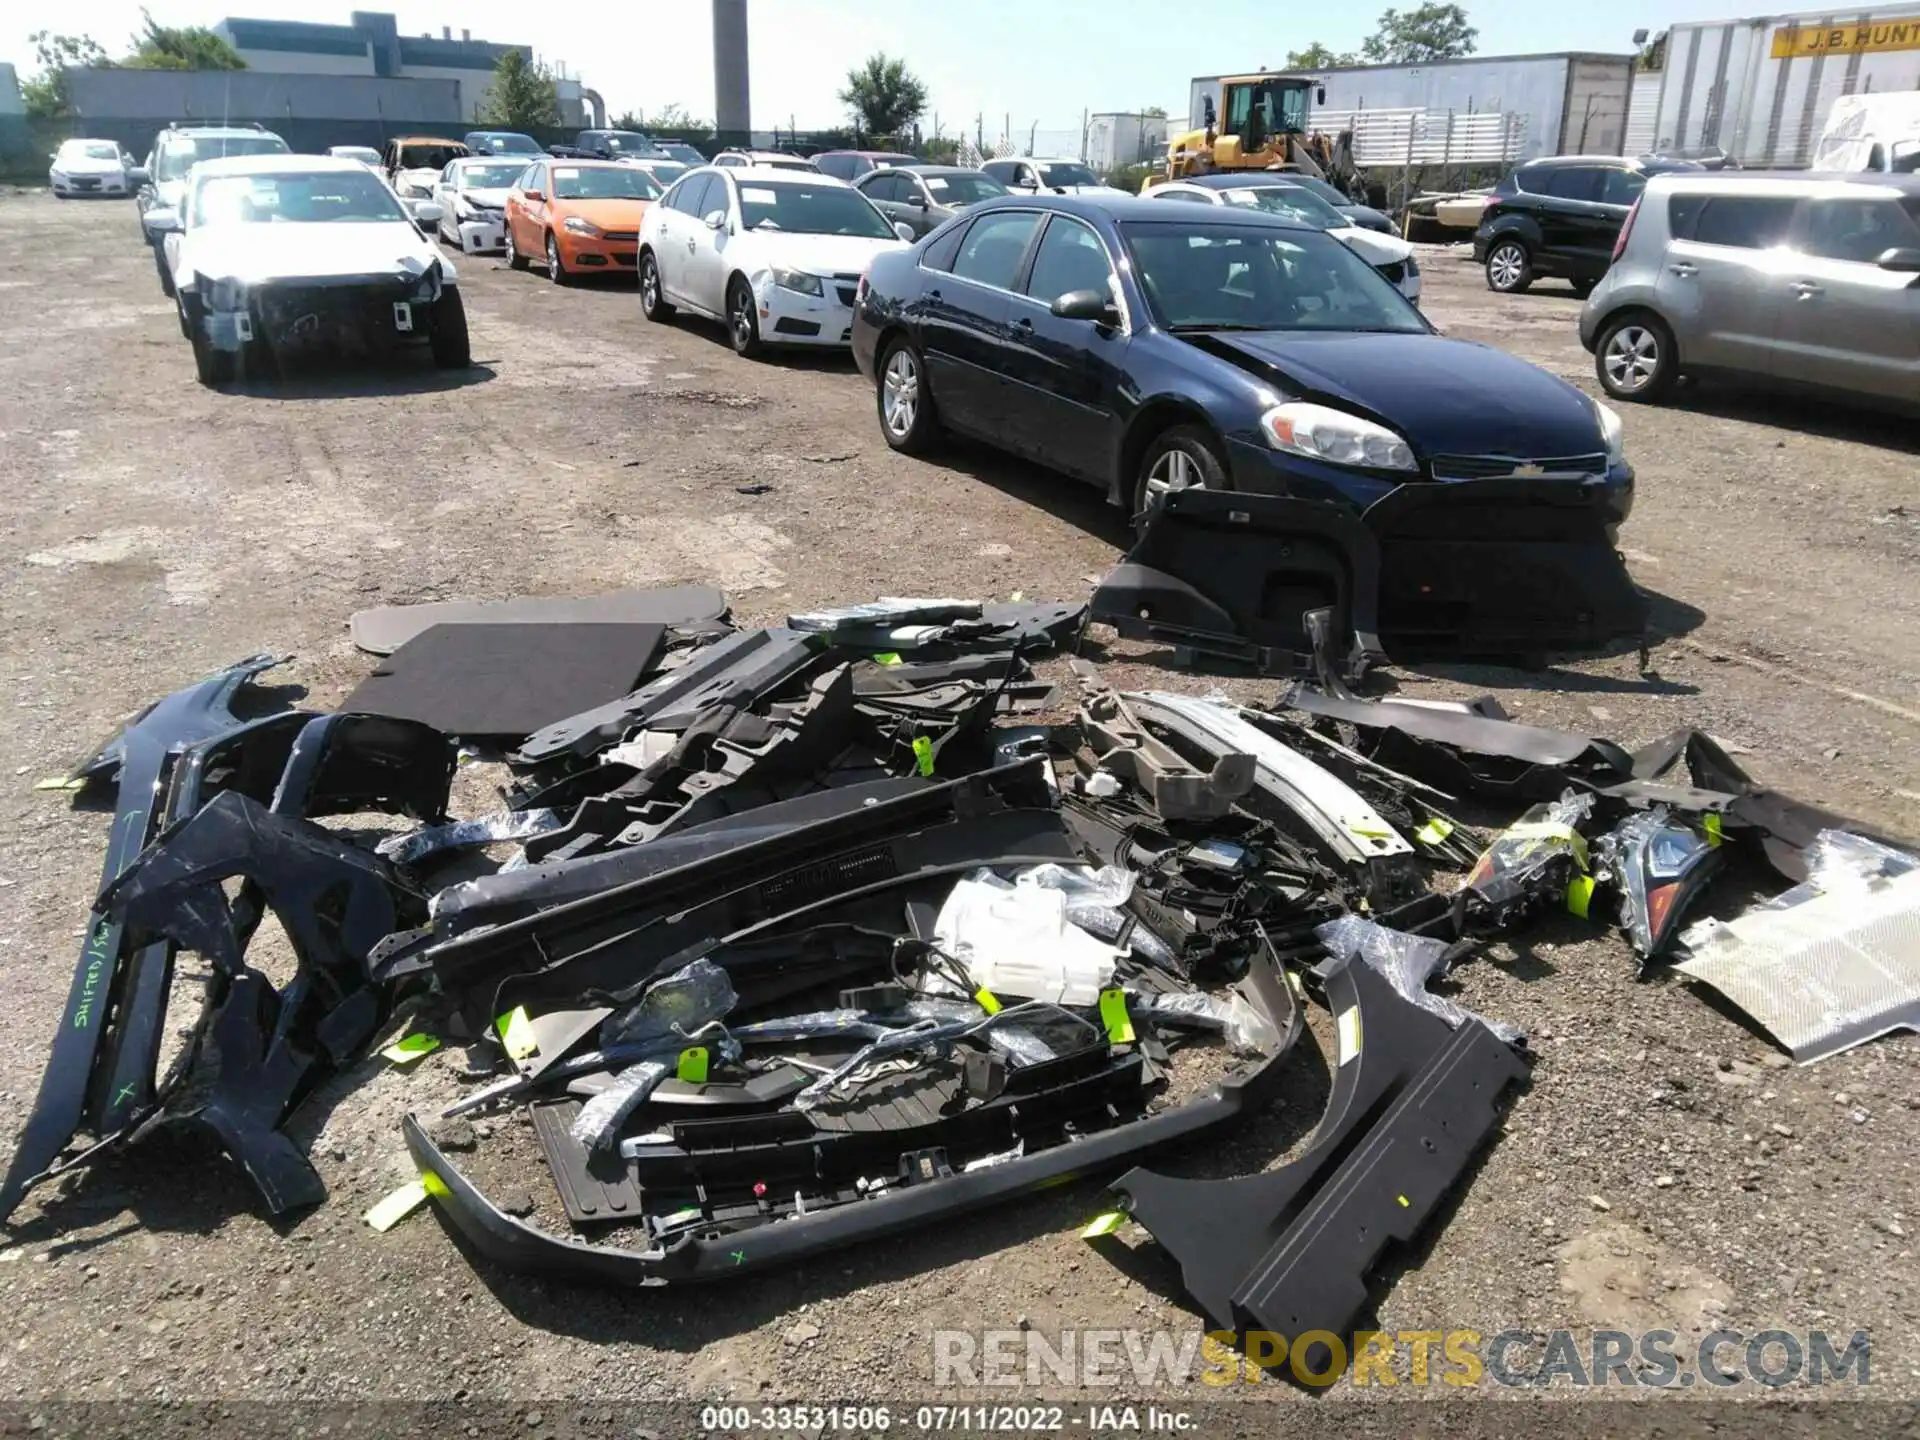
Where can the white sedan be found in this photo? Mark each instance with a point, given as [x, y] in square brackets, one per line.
[472, 196]
[776, 254]
[89, 167]
[1389, 254]
[273, 254]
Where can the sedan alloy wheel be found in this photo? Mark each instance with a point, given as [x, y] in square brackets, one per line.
[1631, 357]
[1173, 471]
[900, 393]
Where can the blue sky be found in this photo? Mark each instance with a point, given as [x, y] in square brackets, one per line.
[1041, 61]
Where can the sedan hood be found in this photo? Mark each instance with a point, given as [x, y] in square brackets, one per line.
[424, 179]
[254, 254]
[608, 214]
[818, 254]
[492, 199]
[1448, 397]
[1369, 218]
[1371, 246]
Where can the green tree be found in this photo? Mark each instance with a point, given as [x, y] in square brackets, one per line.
[1653, 54]
[1432, 32]
[1317, 57]
[180, 47]
[522, 96]
[46, 96]
[1156, 112]
[883, 96]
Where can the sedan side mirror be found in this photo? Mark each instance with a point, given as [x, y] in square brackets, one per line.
[1904, 260]
[533, 195]
[164, 220]
[425, 212]
[1086, 305]
[716, 220]
[903, 230]
[917, 201]
[137, 175]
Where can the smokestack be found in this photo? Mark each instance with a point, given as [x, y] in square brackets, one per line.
[446, 32]
[465, 34]
[732, 107]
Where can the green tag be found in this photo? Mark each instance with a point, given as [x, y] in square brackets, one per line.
[414, 1047]
[1710, 822]
[923, 754]
[987, 1000]
[1113, 1014]
[60, 782]
[516, 1033]
[693, 1065]
[1105, 1224]
[1580, 894]
[890, 658]
[390, 1211]
[1433, 832]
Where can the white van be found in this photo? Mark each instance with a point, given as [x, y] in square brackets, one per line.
[1878, 133]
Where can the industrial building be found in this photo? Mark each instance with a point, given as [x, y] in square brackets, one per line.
[1760, 88]
[371, 44]
[1565, 103]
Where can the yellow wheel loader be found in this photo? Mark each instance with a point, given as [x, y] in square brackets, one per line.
[1260, 123]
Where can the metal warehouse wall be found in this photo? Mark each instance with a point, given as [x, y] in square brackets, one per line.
[1561, 95]
[272, 99]
[1723, 86]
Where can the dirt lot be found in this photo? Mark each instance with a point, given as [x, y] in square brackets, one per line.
[1666, 1170]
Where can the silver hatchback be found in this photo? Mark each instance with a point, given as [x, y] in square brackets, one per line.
[1809, 280]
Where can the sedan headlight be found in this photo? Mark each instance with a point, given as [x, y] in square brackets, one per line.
[1320, 433]
[797, 280]
[226, 294]
[582, 227]
[1612, 433]
[59, 175]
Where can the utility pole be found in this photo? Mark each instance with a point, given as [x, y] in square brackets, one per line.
[1032, 130]
[979, 131]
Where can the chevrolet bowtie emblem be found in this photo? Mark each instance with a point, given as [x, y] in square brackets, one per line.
[1528, 472]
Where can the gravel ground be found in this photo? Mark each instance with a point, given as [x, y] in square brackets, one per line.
[1667, 1169]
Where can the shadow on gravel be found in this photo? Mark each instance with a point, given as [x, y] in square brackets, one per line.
[338, 379]
[1807, 414]
[1079, 504]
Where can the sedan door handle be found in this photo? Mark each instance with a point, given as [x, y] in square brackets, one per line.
[1023, 324]
[1805, 289]
[1683, 269]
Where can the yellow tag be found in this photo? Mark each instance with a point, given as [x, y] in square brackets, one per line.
[1552, 830]
[1371, 832]
[60, 782]
[1105, 1224]
[890, 658]
[923, 754]
[1580, 894]
[414, 1047]
[516, 1033]
[1348, 1027]
[394, 1208]
[987, 1000]
[1405, 1204]
[693, 1065]
[1710, 822]
[1113, 1014]
[1433, 832]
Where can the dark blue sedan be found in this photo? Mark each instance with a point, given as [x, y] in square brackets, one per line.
[1148, 348]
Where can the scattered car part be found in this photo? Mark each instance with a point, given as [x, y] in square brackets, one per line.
[1830, 965]
[384, 630]
[1409, 963]
[137, 758]
[344, 763]
[488, 681]
[1529, 867]
[1290, 1251]
[1657, 866]
[1122, 745]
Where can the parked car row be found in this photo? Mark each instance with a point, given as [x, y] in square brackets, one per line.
[1806, 281]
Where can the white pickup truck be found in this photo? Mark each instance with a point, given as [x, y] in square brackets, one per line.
[1874, 133]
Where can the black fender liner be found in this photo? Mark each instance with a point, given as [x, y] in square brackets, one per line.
[1289, 1251]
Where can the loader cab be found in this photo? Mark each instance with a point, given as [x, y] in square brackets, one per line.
[1259, 107]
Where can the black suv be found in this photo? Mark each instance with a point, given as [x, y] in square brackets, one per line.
[1560, 216]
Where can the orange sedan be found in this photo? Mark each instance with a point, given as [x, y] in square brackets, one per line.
[577, 216]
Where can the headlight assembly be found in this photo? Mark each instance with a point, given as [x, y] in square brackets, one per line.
[226, 294]
[798, 281]
[1612, 433]
[582, 227]
[1320, 433]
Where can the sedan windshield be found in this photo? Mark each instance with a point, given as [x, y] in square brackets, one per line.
[810, 210]
[963, 189]
[1290, 201]
[628, 140]
[506, 142]
[1319, 187]
[89, 150]
[1067, 173]
[1221, 277]
[181, 155]
[294, 197]
[664, 171]
[603, 182]
[489, 177]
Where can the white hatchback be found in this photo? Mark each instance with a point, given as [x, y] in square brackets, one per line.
[776, 254]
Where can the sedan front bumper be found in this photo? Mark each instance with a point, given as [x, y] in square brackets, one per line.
[483, 236]
[791, 317]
